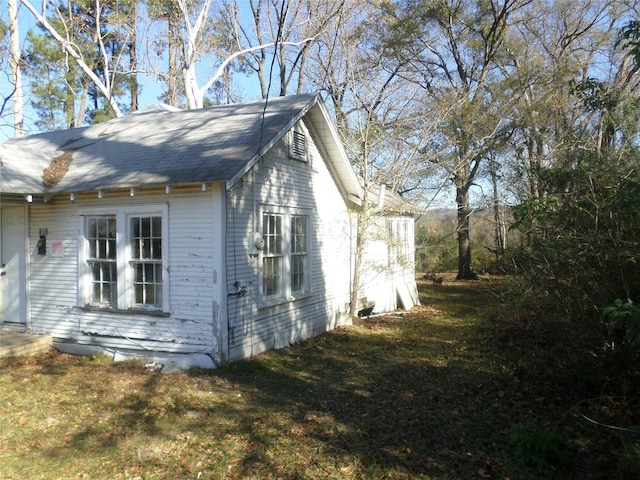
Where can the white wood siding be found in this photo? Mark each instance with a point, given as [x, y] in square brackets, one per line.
[285, 182]
[195, 266]
[388, 264]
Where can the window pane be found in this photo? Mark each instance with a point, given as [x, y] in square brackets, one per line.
[158, 294]
[148, 273]
[135, 248]
[97, 292]
[139, 294]
[111, 249]
[158, 284]
[145, 248]
[298, 234]
[145, 227]
[297, 273]
[278, 234]
[102, 228]
[149, 298]
[93, 247]
[156, 247]
[102, 249]
[156, 227]
[92, 228]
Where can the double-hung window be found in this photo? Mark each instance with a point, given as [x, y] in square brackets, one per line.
[123, 260]
[272, 257]
[101, 259]
[399, 230]
[298, 253]
[285, 262]
[146, 260]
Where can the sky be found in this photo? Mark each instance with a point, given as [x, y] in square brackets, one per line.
[150, 92]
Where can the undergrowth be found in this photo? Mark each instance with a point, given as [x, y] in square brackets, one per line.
[465, 386]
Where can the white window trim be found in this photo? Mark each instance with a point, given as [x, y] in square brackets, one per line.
[126, 291]
[286, 295]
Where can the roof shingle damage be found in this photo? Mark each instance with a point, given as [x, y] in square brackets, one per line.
[154, 147]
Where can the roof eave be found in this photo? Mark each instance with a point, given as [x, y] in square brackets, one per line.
[339, 163]
[271, 143]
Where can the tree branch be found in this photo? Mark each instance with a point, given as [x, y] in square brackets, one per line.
[218, 73]
[72, 50]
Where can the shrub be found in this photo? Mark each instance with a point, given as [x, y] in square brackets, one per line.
[626, 317]
[537, 447]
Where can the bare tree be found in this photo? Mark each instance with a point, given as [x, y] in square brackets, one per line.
[452, 47]
[104, 83]
[16, 69]
[6, 95]
[373, 106]
[288, 29]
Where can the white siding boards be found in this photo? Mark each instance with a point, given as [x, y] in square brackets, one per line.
[189, 323]
[200, 237]
[286, 186]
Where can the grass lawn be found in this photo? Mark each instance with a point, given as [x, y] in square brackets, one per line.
[447, 391]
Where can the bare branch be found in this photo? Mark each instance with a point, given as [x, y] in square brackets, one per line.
[74, 51]
[235, 55]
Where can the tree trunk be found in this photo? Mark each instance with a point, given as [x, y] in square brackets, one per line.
[133, 57]
[357, 267]
[464, 244]
[500, 241]
[16, 57]
[174, 52]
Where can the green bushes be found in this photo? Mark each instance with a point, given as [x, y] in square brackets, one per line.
[537, 447]
[626, 317]
[583, 246]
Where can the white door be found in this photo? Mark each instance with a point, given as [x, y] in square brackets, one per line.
[13, 288]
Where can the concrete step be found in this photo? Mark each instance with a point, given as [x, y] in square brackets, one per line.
[14, 344]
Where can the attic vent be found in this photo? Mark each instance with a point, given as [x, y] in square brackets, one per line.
[298, 146]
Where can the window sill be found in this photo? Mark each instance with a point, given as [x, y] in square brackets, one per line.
[130, 311]
[273, 302]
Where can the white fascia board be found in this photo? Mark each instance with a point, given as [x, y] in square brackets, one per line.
[340, 162]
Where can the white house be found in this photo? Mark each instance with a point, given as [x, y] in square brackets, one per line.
[198, 237]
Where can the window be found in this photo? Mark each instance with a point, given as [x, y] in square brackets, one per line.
[146, 262]
[298, 252]
[298, 144]
[272, 258]
[101, 239]
[285, 258]
[124, 264]
[399, 241]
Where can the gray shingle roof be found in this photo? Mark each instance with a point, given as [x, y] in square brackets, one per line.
[155, 147]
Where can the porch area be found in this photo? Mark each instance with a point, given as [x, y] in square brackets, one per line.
[14, 343]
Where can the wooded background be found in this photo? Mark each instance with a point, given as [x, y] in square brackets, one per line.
[520, 109]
